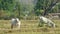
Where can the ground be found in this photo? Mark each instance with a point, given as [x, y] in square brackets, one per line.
[28, 27]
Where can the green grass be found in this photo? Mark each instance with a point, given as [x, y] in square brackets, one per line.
[28, 27]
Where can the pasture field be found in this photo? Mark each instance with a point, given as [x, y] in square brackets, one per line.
[28, 27]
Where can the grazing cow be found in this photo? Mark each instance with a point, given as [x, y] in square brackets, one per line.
[44, 20]
[15, 23]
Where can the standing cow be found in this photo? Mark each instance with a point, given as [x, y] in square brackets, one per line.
[44, 20]
[15, 23]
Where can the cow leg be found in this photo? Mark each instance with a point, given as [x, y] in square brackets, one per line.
[12, 26]
[18, 25]
[41, 24]
[49, 25]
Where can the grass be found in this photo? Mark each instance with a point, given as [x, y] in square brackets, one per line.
[28, 27]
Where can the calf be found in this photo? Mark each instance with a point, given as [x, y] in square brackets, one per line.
[15, 23]
[44, 20]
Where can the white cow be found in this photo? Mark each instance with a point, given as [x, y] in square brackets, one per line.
[15, 22]
[44, 20]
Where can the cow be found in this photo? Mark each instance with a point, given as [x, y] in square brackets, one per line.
[15, 22]
[48, 22]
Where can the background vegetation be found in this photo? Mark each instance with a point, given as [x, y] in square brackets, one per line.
[25, 8]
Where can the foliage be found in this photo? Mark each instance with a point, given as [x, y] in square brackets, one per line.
[6, 4]
[18, 8]
[46, 5]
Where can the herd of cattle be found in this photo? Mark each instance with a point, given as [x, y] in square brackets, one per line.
[15, 22]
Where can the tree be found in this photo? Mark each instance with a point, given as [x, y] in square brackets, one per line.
[53, 3]
[6, 6]
[17, 7]
[45, 5]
